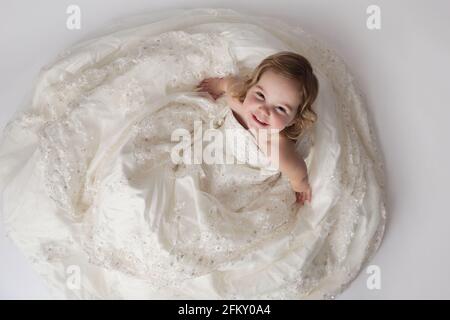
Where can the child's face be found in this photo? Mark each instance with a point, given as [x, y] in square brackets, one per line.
[272, 102]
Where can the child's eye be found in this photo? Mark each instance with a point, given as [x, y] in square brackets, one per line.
[259, 94]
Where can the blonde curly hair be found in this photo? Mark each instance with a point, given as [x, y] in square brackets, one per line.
[292, 66]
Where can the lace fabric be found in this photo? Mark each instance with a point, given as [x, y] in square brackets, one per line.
[93, 150]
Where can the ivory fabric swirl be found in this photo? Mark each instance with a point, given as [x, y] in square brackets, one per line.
[88, 184]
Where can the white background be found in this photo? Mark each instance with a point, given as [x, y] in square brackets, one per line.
[403, 70]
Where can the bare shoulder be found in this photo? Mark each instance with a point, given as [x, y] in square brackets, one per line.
[285, 142]
[287, 148]
[278, 147]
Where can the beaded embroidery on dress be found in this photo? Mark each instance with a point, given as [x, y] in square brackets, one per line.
[90, 190]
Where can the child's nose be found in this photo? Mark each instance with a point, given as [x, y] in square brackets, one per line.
[264, 110]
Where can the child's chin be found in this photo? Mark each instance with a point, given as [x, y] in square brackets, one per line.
[262, 127]
[258, 128]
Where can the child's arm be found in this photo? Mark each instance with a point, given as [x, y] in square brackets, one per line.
[227, 82]
[218, 86]
[294, 168]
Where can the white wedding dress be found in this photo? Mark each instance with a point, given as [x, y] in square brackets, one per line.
[92, 198]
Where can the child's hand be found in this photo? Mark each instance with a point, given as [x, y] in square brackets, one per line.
[302, 190]
[214, 86]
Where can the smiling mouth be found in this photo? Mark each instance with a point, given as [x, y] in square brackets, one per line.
[260, 122]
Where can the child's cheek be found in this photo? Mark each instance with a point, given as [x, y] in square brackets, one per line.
[255, 102]
[248, 99]
[279, 122]
[253, 99]
[250, 102]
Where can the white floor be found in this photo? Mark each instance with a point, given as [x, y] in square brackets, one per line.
[402, 68]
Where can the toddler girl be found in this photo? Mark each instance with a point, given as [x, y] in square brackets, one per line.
[278, 95]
